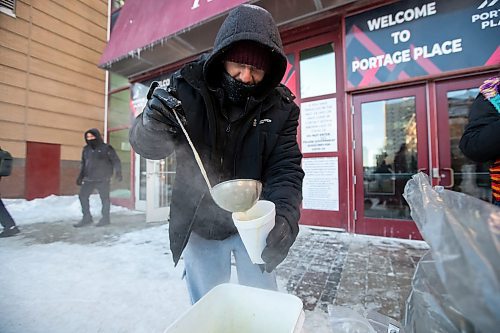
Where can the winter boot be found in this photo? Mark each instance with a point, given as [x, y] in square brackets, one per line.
[85, 221]
[9, 232]
[102, 222]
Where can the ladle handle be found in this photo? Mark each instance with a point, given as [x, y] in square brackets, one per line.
[196, 156]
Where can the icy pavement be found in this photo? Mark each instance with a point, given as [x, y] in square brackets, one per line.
[361, 272]
[56, 278]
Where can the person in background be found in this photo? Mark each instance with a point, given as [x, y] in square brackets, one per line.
[481, 138]
[8, 224]
[243, 123]
[99, 160]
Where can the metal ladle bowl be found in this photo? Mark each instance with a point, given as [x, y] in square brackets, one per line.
[237, 195]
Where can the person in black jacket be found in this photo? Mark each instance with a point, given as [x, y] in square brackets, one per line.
[99, 160]
[9, 226]
[243, 123]
[481, 138]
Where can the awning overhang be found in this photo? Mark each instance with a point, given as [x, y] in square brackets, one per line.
[149, 34]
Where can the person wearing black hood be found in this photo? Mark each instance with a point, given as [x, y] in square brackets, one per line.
[243, 123]
[99, 160]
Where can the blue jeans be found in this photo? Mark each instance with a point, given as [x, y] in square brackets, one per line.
[496, 203]
[208, 263]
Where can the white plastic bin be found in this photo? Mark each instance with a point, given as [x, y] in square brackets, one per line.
[233, 308]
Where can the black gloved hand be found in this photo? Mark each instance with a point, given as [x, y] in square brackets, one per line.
[158, 113]
[279, 241]
[79, 181]
[118, 176]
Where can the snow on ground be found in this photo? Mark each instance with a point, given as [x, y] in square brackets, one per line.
[391, 244]
[128, 285]
[55, 208]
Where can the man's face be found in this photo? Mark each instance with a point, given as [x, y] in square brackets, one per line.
[90, 136]
[244, 73]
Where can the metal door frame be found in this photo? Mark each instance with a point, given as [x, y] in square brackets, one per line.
[387, 227]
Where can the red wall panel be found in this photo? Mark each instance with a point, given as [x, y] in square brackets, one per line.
[43, 162]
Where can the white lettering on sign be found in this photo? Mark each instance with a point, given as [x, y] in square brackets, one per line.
[382, 60]
[438, 49]
[408, 15]
[402, 56]
[489, 19]
[400, 36]
[196, 3]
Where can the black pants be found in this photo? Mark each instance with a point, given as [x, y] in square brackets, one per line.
[86, 190]
[5, 218]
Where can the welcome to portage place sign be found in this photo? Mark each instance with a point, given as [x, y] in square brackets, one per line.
[421, 38]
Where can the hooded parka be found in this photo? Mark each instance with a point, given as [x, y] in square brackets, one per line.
[99, 160]
[260, 143]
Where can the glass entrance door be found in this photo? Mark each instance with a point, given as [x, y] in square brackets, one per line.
[140, 183]
[457, 172]
[390, 131]
[159, 180]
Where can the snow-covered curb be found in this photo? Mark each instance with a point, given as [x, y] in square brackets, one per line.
[55, 208]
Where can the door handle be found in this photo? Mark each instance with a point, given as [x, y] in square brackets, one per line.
[451, 175]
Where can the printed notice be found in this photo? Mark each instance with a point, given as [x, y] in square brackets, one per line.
[318, 123]
[321, 183]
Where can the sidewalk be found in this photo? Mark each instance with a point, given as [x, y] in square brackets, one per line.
[323, 267]
[362, 272]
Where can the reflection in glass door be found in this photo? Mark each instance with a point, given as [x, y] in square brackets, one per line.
[159, 182]
[457, 172]
[140, 183]
[390, 146]
[121, 191]
[389, 141]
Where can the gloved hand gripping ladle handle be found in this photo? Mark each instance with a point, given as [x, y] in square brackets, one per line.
[196, 155]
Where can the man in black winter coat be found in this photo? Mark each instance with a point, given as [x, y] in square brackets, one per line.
[243, 123]
[99, 160]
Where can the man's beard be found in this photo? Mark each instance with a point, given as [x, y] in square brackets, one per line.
[236, 91]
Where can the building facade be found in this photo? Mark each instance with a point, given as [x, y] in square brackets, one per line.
[51, 90]
[384, 89]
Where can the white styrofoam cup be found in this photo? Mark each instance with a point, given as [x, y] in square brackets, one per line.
[253, 226]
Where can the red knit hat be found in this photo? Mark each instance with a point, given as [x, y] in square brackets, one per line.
[249, 53]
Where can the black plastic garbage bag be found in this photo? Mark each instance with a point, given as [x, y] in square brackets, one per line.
[459, 281]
